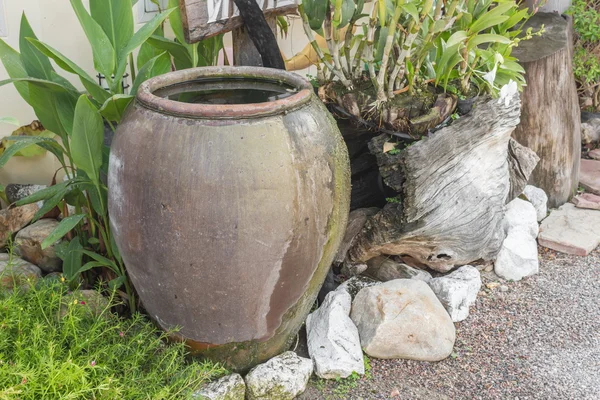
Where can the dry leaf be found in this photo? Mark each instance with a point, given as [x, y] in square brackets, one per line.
[388, 146]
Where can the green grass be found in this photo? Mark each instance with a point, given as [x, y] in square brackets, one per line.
[54, 347]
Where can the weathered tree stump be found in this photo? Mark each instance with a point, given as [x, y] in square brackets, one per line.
[454, 186]
[550, 120]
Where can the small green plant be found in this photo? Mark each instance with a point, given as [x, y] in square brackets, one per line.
[394, 200]
[586, 60]
[54, 346]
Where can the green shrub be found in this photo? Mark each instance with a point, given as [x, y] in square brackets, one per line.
[586, 61]
[53, 347]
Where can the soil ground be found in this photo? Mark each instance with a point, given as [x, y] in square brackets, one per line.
[540, 339]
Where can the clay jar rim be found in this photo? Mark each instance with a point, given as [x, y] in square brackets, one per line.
[146, 97]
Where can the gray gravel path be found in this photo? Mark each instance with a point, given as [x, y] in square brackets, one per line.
[538, 340]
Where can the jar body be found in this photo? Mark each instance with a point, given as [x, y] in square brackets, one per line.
[228, 227]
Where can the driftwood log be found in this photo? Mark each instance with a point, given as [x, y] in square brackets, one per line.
[550, 121]
[454, 185]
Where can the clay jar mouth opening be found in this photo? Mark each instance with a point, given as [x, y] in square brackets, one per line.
[225, 92]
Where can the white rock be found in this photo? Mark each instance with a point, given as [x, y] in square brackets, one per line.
[538, 198]
[403, 319]
[457, 291]
[518, 256]
[15, 271]
[28, 245]
[230, 387]
[333, 342]
[385, 269]
[281, 378]
[521, 215]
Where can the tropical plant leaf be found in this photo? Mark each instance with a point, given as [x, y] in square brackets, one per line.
[116, 19]
[36, 64]
[55, 110]
[97, 91]
[73, 259]
[43, 194]
[103, 260]
[87, 138]
[315, 11]
[19, 145]
[50, 204]
[62, 229]
[102, 49]
[11, 59]
[182, 58]
[139, 38]
[147, 51]
[158, 65]
[114, 107]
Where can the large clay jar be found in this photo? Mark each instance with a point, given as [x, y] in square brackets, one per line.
[228, 197]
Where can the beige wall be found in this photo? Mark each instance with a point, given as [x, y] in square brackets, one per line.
[55, 23]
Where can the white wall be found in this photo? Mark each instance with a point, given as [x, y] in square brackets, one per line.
[55, 23]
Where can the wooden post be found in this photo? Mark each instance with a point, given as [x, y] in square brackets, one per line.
[244, 50]
[550, 121]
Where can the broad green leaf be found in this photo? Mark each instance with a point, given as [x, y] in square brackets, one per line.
[456, 38]
[116, 19]
[315, 11]
[10, 120]
[49, 85]
[91, 265]
[36, 64]
[114, 108]
[101, 259]
[19, 145]
[182, 58]
[87, 138]
[54, 109]
[117, 282]
[411, 10]
[492, 17]
[50, 204]
[487, 38]
[11, 59]
[156, 66]
[147, 51]
[102, 49]
[61, 230]
[73, 259]
[43, 194]
[175, 21]
[208, 51]
[139, 38]
[97, 91]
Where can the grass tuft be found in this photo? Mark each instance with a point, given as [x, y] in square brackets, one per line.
[53, 347]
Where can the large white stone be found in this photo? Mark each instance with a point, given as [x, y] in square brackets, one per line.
[538, 198]
[281, 378]
[230, 387]
[521, 215]
[333, 342]
[457, 291]
[403, 319]
[518, 256]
